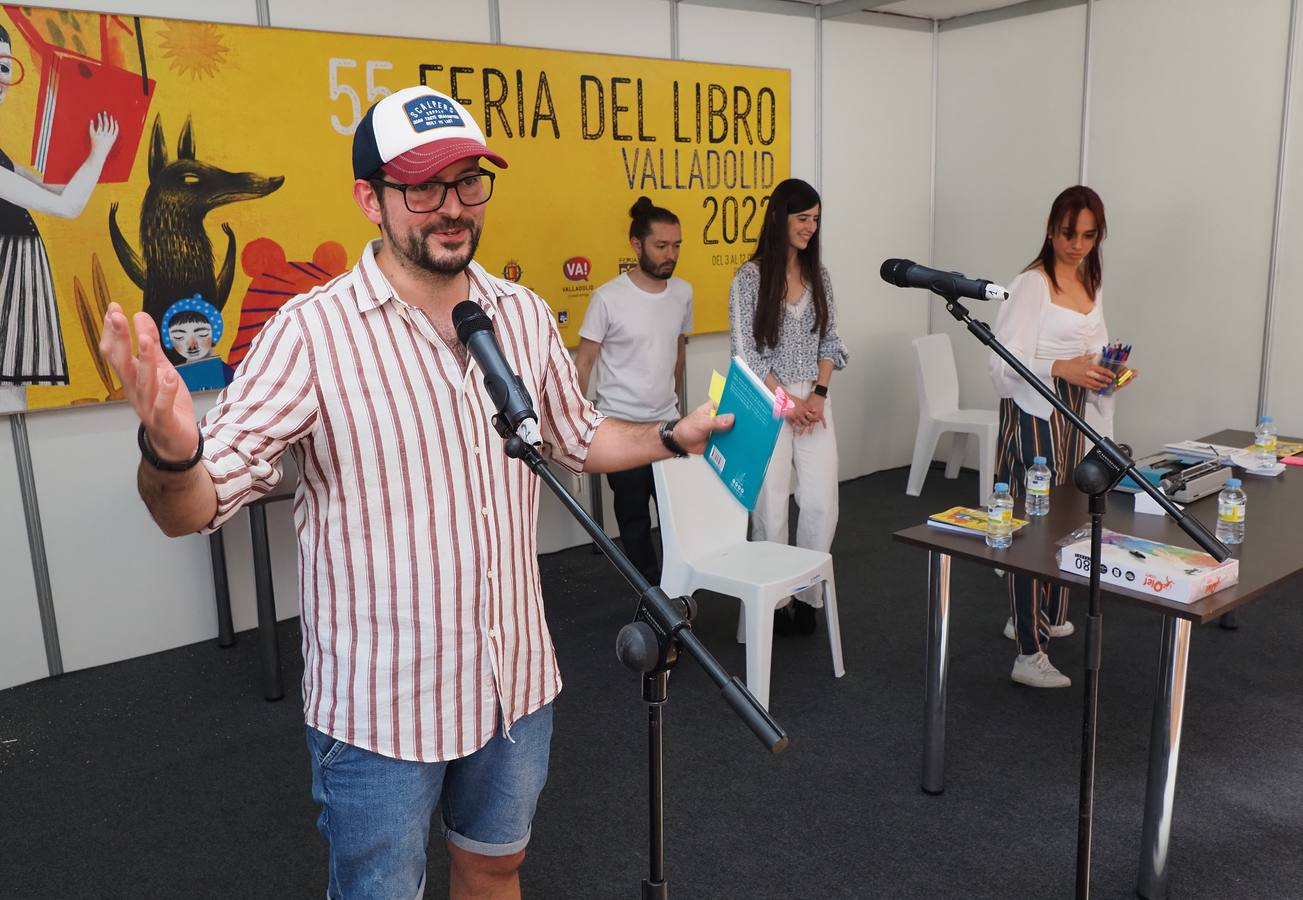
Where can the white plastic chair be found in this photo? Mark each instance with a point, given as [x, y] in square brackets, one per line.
[703, 535]
[939, 412]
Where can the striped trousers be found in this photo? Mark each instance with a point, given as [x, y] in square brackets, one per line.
[1036, 604]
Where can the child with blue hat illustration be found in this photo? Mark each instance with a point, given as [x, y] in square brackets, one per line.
[192, 328]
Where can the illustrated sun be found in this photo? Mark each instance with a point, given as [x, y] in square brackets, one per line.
[195, 48]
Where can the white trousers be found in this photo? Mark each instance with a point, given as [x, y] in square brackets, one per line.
[812, 458]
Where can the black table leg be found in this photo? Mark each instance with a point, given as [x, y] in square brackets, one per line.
[221, 590]
[271, 664]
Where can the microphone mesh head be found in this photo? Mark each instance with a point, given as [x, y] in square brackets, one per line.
[893, 271]
[468, 318]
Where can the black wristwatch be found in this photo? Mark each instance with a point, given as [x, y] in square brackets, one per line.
[667, 438]
[821, 390]
[148, 454]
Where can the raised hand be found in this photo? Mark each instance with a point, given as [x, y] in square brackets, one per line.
[103, 133]
[151, 384]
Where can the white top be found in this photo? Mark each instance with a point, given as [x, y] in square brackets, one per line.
[1039, 332]
[639, 333]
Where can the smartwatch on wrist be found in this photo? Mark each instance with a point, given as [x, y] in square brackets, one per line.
[667, 438]
[821, 390]
[148, 454]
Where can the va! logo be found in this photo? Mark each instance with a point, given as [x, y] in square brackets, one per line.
[577, 268]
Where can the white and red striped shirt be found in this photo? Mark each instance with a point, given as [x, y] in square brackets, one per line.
[418, 560]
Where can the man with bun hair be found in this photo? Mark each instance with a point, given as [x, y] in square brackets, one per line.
[429, 672]
[635, 334]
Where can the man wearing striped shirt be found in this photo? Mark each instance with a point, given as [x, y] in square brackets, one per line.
[429, 671]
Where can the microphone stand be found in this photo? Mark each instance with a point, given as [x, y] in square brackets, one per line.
[1102, 468]
[651, 645]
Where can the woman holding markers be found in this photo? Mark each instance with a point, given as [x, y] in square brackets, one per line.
[1054, 323]
[783, 324]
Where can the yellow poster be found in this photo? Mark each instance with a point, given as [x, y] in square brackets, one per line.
[228, 184]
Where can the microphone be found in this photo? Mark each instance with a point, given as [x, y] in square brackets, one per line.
[907, 273]
[515, 408]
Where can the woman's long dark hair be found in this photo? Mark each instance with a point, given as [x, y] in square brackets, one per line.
[1068, 206]
[789, 197]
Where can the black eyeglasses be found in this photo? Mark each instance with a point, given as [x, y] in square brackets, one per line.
[428, 196]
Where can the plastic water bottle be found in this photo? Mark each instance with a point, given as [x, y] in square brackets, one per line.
[1038, 488]
[1231, 505]
[999, 518]
[1264, 442]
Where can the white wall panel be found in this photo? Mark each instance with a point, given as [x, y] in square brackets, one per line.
[1008, 137]
[121, 588]
[630, 27]
[1183, 150]
[22, 647]
[1284, 400]
[443, 20]
[876, 167]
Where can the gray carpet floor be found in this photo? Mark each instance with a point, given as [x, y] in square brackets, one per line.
[168, 776]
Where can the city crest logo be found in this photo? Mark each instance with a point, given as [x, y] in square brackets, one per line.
[512, 271]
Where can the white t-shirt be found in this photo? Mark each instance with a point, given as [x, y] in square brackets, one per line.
[639, 333]
[1039, 333]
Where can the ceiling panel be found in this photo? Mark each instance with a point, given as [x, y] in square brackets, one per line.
[943, 9]
[928, 9]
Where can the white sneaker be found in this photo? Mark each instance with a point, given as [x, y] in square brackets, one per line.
[1056, 631]
[1036, 670]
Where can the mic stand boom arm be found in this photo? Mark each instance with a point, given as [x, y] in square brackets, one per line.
[1103, 467]
[650, 644]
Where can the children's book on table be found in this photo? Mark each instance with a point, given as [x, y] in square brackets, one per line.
[967, 520]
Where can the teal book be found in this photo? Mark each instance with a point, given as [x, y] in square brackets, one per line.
[740, 456]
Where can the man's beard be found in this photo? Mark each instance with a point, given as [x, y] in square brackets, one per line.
[414, 246]
[662, 273]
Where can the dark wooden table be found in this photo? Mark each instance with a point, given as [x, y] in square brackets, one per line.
[1269, 555]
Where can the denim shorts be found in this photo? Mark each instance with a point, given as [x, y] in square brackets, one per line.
[376, 811]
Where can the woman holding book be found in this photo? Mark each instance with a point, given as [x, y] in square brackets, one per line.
[783, 324]
[1054, 323]
[31, 341]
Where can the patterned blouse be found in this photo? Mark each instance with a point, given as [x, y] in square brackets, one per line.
[796, 358]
